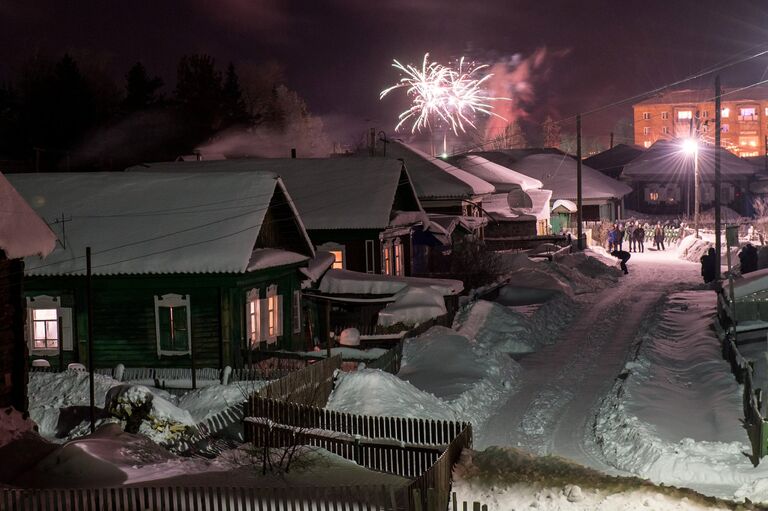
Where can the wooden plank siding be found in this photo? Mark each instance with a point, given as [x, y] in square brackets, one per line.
[124, 315]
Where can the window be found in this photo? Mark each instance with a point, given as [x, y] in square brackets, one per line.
[684, 115]
[665, 115]
[748, 113]
[705, 114]
[370, 256]
[653, 196]
[339, 254]
[725, 128]
[253, 318]
[173, 324]
[766, 111]
[647, 144]
[646, 116]
[296, 317]
[725, 113]
[44, 313]
[386, 258]
[646, 130]
[748, 142]
[665, 130]
[399, 267]
[274, 308]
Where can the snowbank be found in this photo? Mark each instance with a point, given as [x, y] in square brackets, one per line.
[692, 248]
[675, 418]
[412, 306]
[497, 326]
[532, 285]
[206, 402]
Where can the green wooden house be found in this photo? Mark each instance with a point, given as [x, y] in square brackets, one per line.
[183, 264]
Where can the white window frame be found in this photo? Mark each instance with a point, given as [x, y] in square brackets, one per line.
[370, 256]
[647, 130]
[684, 115]
[253, 323]
[646, 116]
[335, 247]
[296, 317]
[273, 310]
[665, 115]
[725, 113]
[63, 313]
[173, 300]
[665, 130]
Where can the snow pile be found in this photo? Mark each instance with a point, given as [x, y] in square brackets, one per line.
[207, 402]
[444, 375]
[505, 478]
[675, 415]
[142, 412]
[13, 424]
[532, 285]
[50, 392]
[412, 306]
[692, 248]
[497, 326]
[374, 392]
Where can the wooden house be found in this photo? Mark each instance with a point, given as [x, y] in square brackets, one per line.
[662, 180]
[22, 234]
[362, 210]
[188, 268]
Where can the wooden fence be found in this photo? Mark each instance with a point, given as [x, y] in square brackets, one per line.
[390, 361]
[123, 498]
[311, 385]
[755, 423]
[411, 431]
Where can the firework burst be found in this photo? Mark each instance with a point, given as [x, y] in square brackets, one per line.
[440, 93]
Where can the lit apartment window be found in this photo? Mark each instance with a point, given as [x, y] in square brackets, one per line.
[45, 329]
[399, 267]
[647, 130]
[647, 144]
[665, 130]
[386, 258]
[746, 142]
[665, 115]
[338, 259]
[653, 196]
[646, 116]
[766, 111]
[684, 115]
[725, 112]
[748, 114]
[705, 114]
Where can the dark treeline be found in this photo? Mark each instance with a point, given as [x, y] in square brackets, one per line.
[56, 114]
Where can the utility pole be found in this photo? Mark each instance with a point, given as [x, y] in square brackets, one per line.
[91, 365]
[579, 227]
[718, 225]
[611, 146]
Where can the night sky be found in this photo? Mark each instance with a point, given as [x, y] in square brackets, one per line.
[337, 53]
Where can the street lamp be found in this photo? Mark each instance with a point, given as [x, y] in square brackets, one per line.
[691, 147]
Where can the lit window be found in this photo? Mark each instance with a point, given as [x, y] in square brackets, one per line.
[665, 115]
[274, 308]
[748, 141]
[253, 317]
[665, 130]
[172, 324]
[647, 144]
[725, 112]
[44, 313]
[684, 115]
[653, 196]
[646, 130]
[45, 329]
[705, 114]
[724, 128]
[748, 113]
[386, 259]
[646, 116]
[399, 270]
[338, 259]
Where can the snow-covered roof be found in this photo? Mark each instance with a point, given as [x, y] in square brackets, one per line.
[22, 232]
[318, 265]
[667, 158]
[139, 223]
[751, 283]
[565, 206]
[330, 193]
[351, 282]
[557, 172]
[263, 258]
[497, 207]
[540, 200]
[503, 178]
[612, 161]
[434, 178]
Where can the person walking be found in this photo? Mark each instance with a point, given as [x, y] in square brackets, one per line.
[624, 257]
[639, 236]
[658, 237]
[709, 266]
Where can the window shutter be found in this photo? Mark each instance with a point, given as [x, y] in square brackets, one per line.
[297, 312]
[180, 332]
[264, 321]
[279, 329]
[66, 327]
[253, 320]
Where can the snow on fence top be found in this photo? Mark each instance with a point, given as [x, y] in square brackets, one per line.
[22, 232]
[139, 223]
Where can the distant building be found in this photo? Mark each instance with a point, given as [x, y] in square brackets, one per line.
[671, 115]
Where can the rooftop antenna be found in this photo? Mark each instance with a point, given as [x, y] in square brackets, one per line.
[63, 221]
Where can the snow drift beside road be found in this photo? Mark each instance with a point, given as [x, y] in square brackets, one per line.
[494, 325]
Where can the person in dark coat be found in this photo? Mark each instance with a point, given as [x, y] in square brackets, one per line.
[620, 236]
[748, 258]
[639, 235]
[658, 237]
[631, 236]
[624, 256]
[709, 265]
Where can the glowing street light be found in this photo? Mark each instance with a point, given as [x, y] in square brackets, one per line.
[691, 147]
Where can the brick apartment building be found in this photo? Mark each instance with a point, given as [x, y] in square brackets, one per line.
[681, 113]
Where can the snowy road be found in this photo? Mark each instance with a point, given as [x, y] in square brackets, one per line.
[564, 382]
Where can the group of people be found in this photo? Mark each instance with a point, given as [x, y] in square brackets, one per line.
[635, 235]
